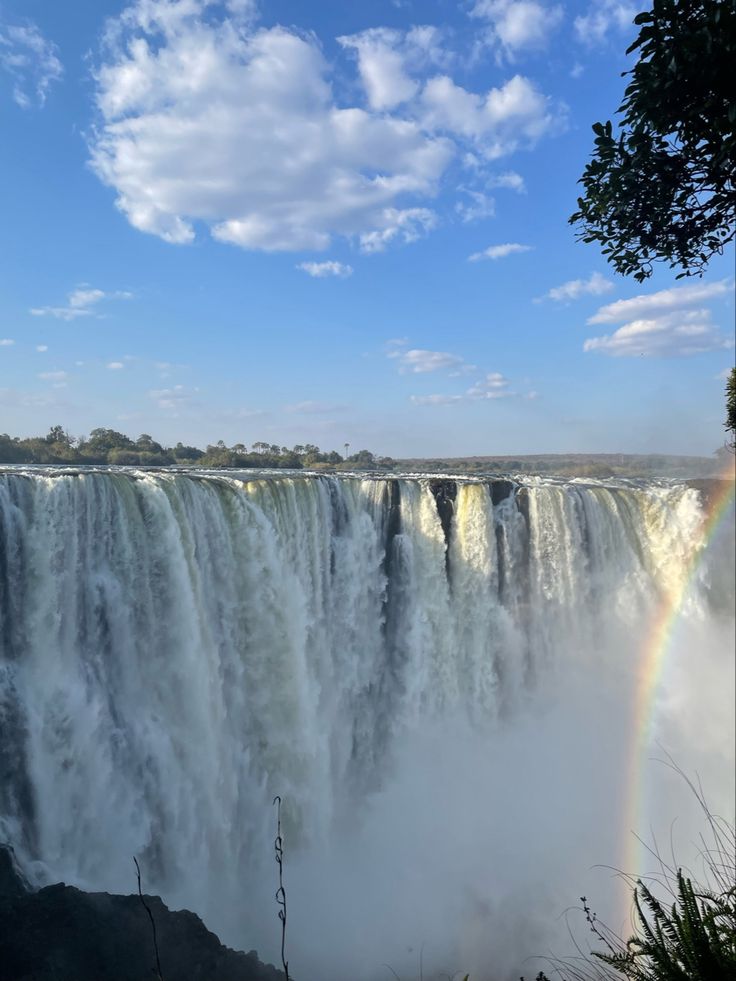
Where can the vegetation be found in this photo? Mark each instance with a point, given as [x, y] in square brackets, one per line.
[730, 423]
[106, 446]
[690, 937]
[662, 188]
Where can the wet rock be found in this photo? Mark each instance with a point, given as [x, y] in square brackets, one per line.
[60, 933]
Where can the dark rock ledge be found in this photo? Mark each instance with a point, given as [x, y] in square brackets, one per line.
[60, 933]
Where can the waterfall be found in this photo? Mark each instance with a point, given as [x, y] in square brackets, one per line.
[178, 647]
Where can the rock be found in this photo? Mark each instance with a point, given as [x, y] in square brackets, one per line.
[61, 933]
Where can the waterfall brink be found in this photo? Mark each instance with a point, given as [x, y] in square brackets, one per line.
[177, 648]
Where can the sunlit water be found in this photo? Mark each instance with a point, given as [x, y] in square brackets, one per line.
[436, 675]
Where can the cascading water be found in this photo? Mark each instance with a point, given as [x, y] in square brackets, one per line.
[177, 648]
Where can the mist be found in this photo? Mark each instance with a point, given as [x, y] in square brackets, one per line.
[473, 856]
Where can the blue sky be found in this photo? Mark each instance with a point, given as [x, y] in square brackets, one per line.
[328, 222]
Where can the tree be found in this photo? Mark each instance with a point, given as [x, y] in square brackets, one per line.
[57, 434]
[101, 441]
[730, 423]
[147, 444]
[363, 458]
[662, 189]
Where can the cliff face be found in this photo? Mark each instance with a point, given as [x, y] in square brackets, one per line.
[60, 933]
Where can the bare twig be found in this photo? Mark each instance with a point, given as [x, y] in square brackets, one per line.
[281, 892]
[147, 908]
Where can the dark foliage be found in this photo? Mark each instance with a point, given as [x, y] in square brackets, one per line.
[106, 446]
[662, 188]
[731, 408]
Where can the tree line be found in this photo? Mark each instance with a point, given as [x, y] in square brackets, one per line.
[106, 446]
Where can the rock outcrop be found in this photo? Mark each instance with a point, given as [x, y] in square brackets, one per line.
[60, 933]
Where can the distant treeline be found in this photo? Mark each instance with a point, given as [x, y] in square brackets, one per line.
[106, 446]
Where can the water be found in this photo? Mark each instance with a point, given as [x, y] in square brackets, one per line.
[421, 668]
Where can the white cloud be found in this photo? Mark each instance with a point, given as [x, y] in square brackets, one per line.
[518, 25]
[510, 179]
[420, 361]
[492, 386]
[407, 226]
[31, 61]
[53, 375]
[479, 206]
[42, 347]
[662, 324]
[675, 298]
[595, 285]
[682, 333]
[245, 11]
[205, 121]
[311, 407]
[436, 399]
[500, 251]
[514, 115]
[603, 18]
[115, 365]
[320, 270]
[174, 399]
[389, 60]
[81, 302]
[6, 342]
[382, 67]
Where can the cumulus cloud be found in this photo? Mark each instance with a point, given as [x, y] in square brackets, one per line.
[419, 361]
[675, 298]
[81, 302]
[386, 58]
[42, 347]
[603, 18]
[491, 386]
[509, 179]
[6, 342]
[499, 251]
[115, 366]
[405, 225]
[668, 323]
[321, 270]
[499, 122]
[478, 207]
[206, 120]
[595, 285]
[55, 376]
[517, 25]
[174, 399]
[31, 61]
[680, 334]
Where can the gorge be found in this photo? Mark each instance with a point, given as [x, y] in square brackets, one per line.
[420, 667]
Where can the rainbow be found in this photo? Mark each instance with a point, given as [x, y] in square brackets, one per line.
[651, 666]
